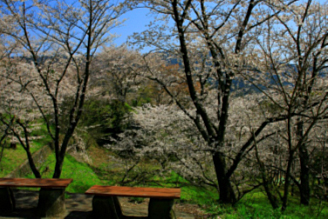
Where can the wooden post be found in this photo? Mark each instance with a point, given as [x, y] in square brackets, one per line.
[51, 202]
[7, 200]
[160, 208]
[106, 207]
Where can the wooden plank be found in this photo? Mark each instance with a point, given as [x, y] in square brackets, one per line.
[134, 191]
[41, 183]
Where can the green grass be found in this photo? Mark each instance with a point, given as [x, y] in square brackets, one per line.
[12, 158]
[82, 175]
[256, 205]
[199, 195]
[189, 193]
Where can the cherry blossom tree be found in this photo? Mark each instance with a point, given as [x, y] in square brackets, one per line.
[165, 135]
[292, 54]
[58, 41]
[222, 35]
[117, 70]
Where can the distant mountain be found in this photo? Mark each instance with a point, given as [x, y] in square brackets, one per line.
[240, 85]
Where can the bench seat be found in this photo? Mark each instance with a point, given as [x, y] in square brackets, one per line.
[171, 193]
[39, 183]
[51, 195]
[106, 205]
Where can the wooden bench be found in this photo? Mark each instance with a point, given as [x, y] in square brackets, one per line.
[51, 195]
[106, 205]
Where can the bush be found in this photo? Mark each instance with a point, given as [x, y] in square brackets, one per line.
[101, 118]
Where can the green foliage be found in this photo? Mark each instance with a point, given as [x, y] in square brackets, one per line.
[104, 113]
[102, 118]
[143, 96]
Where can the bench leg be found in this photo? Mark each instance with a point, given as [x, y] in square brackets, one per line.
[106, 207]
[7, 200]
[51, 202]
[160, 208]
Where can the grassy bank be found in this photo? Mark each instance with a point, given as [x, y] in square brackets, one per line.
[82, 175]
[12, 158]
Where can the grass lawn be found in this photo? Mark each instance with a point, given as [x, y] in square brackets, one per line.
[256, 205]
[82, 175]
[12, 158]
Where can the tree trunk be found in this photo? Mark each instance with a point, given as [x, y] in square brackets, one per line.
[305, 175]
[266, 182]
[35, 170]
[272, 198]
[227, 194]
[304, 163]
[58, 167]
[287, 181]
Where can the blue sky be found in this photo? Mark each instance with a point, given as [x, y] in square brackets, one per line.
[136, 21]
